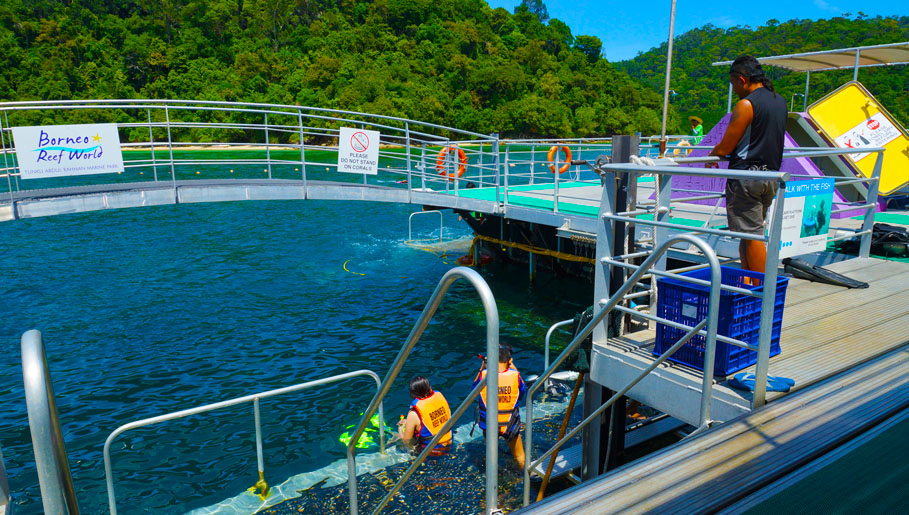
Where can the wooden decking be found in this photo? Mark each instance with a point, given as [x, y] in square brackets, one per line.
[826, 330]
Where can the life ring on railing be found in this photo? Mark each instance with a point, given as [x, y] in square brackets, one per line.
[440, 162]
[679, 148]
[551, 155]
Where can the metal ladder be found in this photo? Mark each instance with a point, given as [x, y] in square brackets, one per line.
[491, 383]
[606, 306]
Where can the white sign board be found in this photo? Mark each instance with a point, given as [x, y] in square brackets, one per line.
[62, 150]
[806, 217]
[358, 151]
[876, 131]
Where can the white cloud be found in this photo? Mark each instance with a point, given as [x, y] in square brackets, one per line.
[824, 6]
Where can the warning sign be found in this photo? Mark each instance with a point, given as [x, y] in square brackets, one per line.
[358, 151]
[876, 131]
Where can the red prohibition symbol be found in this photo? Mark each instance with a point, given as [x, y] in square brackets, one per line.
[359, 142]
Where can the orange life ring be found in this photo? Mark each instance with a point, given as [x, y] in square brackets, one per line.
[551, 155]
[440, 162]
[682, 143]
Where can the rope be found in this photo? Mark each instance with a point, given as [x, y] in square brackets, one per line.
[536, 250]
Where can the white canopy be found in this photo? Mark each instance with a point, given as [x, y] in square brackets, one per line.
[856, 57]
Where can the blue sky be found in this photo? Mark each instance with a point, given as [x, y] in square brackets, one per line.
[628, 27]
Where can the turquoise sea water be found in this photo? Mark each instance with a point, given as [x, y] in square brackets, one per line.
[151, 310]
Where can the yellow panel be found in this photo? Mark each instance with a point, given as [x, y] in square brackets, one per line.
[851, 116]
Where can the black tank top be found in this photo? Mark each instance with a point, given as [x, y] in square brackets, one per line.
[762, 143]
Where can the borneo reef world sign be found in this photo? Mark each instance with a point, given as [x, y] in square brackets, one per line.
[62, 150]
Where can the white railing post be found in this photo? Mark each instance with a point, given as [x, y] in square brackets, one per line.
[768, 300]
[871, 200]
[151, 144]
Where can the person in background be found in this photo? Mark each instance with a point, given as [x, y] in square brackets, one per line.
[511, 391]
[753, 141]
[697, 129]
[428, 413]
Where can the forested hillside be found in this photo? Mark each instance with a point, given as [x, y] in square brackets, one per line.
[702, 88]
[452, 62]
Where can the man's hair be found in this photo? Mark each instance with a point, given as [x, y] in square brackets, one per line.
[504, 353]
[420, 387]
[749, 67]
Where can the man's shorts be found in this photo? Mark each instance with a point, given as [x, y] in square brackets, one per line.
[747, 202]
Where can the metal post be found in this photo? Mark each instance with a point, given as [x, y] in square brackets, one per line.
[480, 159]
[505, 174]
[4, 487]
[768, 299]
[555, 190]
[423, 167]
[15, 160]
[593, 392]
[729, 99]
[855, 70]
[530, 257]
[496, 161]
[261, 484]
[151, 144]
[533, 161]
[407, 149]
[267, 147]
[807, 80]
[54, 478]
[666, 84]
[302, 152]
[871, 200]
[9, 171]
[170, 149]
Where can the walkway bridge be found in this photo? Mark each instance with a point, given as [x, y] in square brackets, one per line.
[177, 152]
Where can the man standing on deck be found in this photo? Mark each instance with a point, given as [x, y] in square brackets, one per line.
[753, 141]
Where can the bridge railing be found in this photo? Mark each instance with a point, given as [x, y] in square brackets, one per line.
[181, 140]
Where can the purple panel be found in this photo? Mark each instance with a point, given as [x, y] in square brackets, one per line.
[797, 166]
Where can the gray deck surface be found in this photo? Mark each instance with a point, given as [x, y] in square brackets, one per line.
[826, 330]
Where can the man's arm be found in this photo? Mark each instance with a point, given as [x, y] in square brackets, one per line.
[742, 115]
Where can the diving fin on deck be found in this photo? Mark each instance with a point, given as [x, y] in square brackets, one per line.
[801, 269]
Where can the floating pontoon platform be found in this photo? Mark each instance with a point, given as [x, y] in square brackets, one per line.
[826, 330]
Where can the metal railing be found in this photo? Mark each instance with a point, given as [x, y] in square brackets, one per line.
[282, 142]
[254, 398]
[605, 307]
[548, 336]
[491, 383]
[54, 478]
[410, 223]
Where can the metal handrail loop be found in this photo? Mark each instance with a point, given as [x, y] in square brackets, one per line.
[254, 398]
[54, 478]
[492, 385]
[711, 323]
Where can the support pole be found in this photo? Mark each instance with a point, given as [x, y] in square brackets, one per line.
[855, 70]
[807, 81]
[729, 99]
[666, 84]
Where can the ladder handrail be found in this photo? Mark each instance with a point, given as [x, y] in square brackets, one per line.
[54, 477]
[492, 380]
[711, 322]
[254, 398]
[410, 223]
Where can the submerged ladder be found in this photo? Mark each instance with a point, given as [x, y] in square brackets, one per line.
[491, 382]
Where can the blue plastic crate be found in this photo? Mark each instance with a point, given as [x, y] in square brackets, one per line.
[740, 318]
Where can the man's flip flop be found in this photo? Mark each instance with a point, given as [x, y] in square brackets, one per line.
[745, 381]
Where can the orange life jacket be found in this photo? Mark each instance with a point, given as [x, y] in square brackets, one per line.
[433, 412]
[509, 391]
